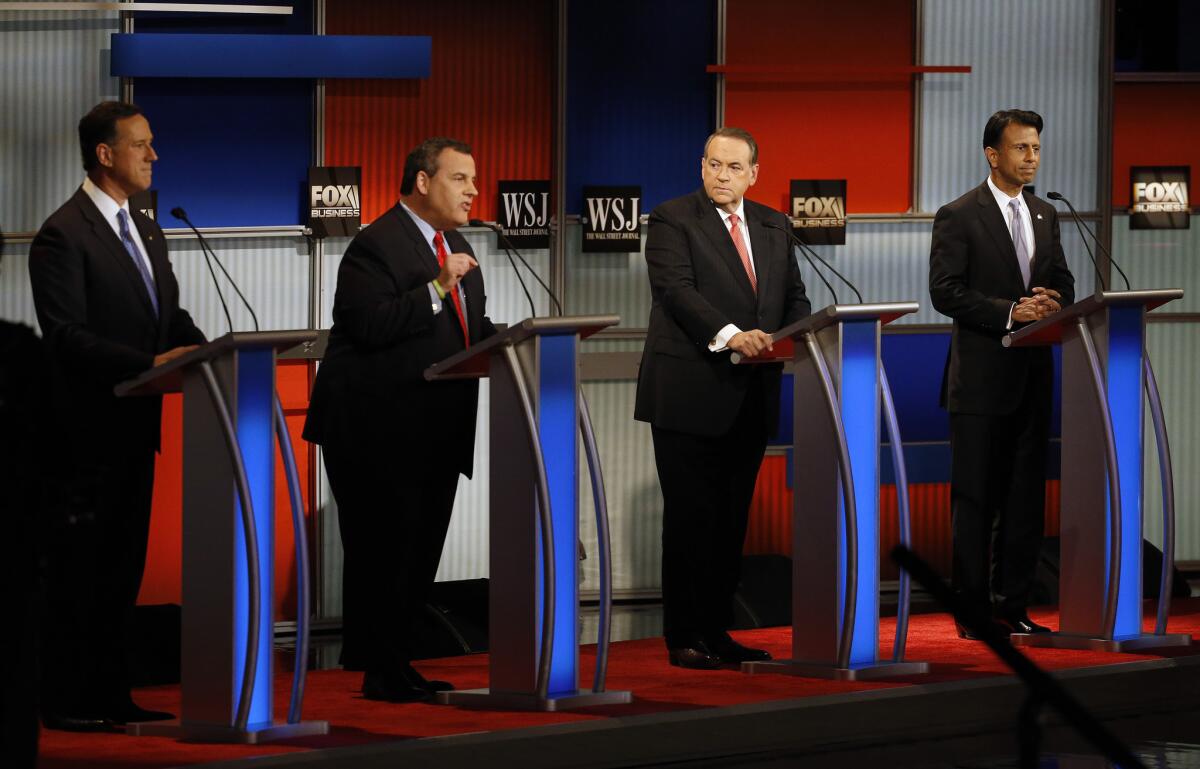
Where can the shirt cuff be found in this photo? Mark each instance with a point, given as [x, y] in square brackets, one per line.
[435, 296]
[721, 341]
[1008, 326]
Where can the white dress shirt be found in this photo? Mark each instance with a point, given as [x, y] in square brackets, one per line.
[108, 209]
[1002, 200]
[721, 340]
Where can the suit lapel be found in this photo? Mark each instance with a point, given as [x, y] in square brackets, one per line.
[759, 249]
[993, 222]
[420, 247]
[1041, 236]
[156, 251]
[714, 228]
[116, 249]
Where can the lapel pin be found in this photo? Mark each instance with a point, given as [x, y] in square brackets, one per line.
[1039, 216]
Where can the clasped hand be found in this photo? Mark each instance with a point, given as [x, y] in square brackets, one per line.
[1043, 303]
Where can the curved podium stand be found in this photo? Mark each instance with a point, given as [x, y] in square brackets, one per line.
[231, 418]
[537, 407]
[839, 389]
[1105, 371]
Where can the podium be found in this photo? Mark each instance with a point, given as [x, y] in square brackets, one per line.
[231, 417]
[1105, 370]
[839, 389]
[537, 406]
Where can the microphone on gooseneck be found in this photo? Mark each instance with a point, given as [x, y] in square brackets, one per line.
[810, 254]
[1079, 225]
[182, 216]
[510, 249]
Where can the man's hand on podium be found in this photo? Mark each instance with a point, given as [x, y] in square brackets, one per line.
[1043, 303]
[170, 355]
[456, 266]
[750, 343]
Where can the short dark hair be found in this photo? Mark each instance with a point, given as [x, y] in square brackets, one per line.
[424, 157]
[733, 132]
[99, 126]
[994, 130]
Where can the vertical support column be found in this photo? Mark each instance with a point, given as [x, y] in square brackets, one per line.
[255, 387]
[859, 397]
[558, 417]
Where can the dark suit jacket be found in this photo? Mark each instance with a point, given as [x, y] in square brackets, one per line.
[974, 278]
[698, 286]
[98, 322]
[370, 392]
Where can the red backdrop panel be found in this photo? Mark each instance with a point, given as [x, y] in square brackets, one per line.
[163, 578]
[853, 128]
[770, 527]
[490, 86]
[1154, 124]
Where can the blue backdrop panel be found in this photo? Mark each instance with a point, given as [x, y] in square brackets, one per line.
[274, 56]
[639, 103]
[233, 153]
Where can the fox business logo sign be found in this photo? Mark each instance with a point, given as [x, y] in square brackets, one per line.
[333, 200]
[1160, 198]
[525, 211]
[614, 223]
[819, 211]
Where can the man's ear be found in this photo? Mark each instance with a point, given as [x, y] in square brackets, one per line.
[104, 155]
[422, 183]
[993, 157]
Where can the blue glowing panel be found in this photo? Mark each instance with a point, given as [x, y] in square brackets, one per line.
[271, 56]
[557, 420]
[860, 416]
[1125, 404]
[254, 413]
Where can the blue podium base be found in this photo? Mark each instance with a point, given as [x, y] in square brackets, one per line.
[831, 671]
[486, 698]
[202, 732]
[1126, 643]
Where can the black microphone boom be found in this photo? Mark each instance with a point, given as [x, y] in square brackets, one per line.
[181, 215]
[810, 254]
[1096, 240]
[506, 244]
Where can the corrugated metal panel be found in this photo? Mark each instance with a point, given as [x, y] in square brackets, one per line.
[272, 273]
[54, 69]
[1159, 259]
[1027, 54]
[1175, 349]
[493, 93]
[607, 283]
[16, 297]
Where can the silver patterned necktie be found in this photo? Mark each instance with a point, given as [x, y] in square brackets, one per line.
[1018, 238]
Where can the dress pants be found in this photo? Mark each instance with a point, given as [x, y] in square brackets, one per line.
[998, 500]
[393, 512]
[707, 485]
[96, 557]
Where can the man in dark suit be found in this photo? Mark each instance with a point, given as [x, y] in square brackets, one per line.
[108, 305]
[408, 295]
[995, 264]
[721, 281]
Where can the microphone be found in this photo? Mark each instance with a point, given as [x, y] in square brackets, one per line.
[510, 249]
[810, 254]
[182, 216]
[1103, 250]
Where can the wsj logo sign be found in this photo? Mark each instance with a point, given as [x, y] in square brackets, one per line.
[1160, 198]
[525, 208]
[613, 222]
[333, 201]
[819, 211]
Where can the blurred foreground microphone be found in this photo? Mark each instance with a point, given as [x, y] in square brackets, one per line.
[510, 249]
[1096, 240]
[182, 216]
[810, 254]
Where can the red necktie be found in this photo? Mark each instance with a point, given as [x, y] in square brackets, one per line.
[739, 243]
[439, 242]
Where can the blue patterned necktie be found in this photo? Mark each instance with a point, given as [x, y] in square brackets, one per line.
[131, 247]
[1018, 238]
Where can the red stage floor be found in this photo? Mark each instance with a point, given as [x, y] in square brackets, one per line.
[639, 666]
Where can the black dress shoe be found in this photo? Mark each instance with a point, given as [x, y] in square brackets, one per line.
[75, 723]
[696, 657]
[432, 686]
[731, 651]
[392, 689]
[1019, 622]
[132, 714]
[998, 628]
